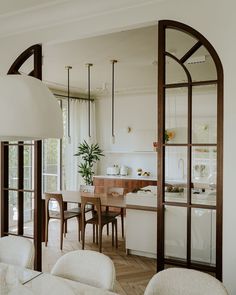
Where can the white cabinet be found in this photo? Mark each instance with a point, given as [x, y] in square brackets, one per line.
[141, 229]
[141, 225]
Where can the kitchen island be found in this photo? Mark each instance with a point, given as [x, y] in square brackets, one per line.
[141, 226]
[129, 183]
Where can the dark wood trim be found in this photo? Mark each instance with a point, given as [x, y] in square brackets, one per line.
[33, 50]
[142, 208]
[161, 150]
[194, 83]
[36, 51]
[201, 41]
[193, 265]
[190, 144]
[13, 234]
[191, 52]
[20, 189]
[4, 182]
[17, 144]
[179, 204]
[37, 205]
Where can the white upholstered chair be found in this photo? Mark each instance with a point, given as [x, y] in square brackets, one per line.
[17, 250]
[87, 267]
[182, 281]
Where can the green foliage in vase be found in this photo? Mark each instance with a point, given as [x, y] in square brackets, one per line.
[166, 136]
[89, 155]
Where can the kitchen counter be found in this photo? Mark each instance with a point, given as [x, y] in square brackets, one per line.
[151, 178]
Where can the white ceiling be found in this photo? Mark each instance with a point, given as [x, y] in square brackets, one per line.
[135, 50]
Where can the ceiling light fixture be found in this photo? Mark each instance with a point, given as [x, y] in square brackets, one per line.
[113, 99]
[89, 65]
[29, 111]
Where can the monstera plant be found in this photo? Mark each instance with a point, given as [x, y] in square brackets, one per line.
[88, 154]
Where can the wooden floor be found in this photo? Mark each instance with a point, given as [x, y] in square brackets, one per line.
[132, 272]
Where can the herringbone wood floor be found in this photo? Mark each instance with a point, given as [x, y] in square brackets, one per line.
[132, 272]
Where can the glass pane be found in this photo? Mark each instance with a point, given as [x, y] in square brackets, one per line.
[28, 168]
[204, 110]
[204, 172]
[201, 66]
[13, 211]
[175, 232]
[174, 72]
[28, 214]
[203, 228]
[178, 43]
[176, 174]
[176, 122]
[13, 166]
[51, 165]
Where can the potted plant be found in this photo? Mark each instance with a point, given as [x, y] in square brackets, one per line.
[89, 154]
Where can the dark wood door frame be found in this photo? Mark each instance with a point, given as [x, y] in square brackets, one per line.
[36, 52]
[162, 86]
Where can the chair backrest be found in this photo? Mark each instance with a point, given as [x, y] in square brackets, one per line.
[87, 188]
[17, 250]
[115, 191]
[184, 281]
[88, 267]
[54, 197]
[95, 202]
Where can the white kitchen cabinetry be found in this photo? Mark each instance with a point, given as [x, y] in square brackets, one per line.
[141, 224]
[141, 228]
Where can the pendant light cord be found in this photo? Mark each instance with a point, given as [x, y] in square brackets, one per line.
[68, 68]
[89, 65]
[113, 98]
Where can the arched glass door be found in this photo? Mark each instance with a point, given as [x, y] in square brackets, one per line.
[190, 150]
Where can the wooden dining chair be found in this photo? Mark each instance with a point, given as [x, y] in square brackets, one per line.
[115, 192]
[84, 189]
[97, 220]
[61, 215]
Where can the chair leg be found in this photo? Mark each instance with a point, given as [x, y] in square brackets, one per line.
[122, 222]
[79, 226]
[96, 233]
[107, 210]
[65, 228]
[112, 234]
[116, 233]
[46, 232]
[93, 233]
[83, 236]
[61, 234]
[100, 239]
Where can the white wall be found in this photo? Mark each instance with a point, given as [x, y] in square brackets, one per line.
[137, 112]
[215, 19]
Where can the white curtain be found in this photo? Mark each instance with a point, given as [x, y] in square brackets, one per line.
[78, 133]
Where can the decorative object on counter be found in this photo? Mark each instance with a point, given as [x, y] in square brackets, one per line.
[90, 154]
[139, 171]
[146, 173]
[174, 189]
[141, 190]
[124, 170]
[169, 135]
[114, 170]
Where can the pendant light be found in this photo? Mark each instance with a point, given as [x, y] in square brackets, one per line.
[68, 68]
[113, 99]
[89, 65]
